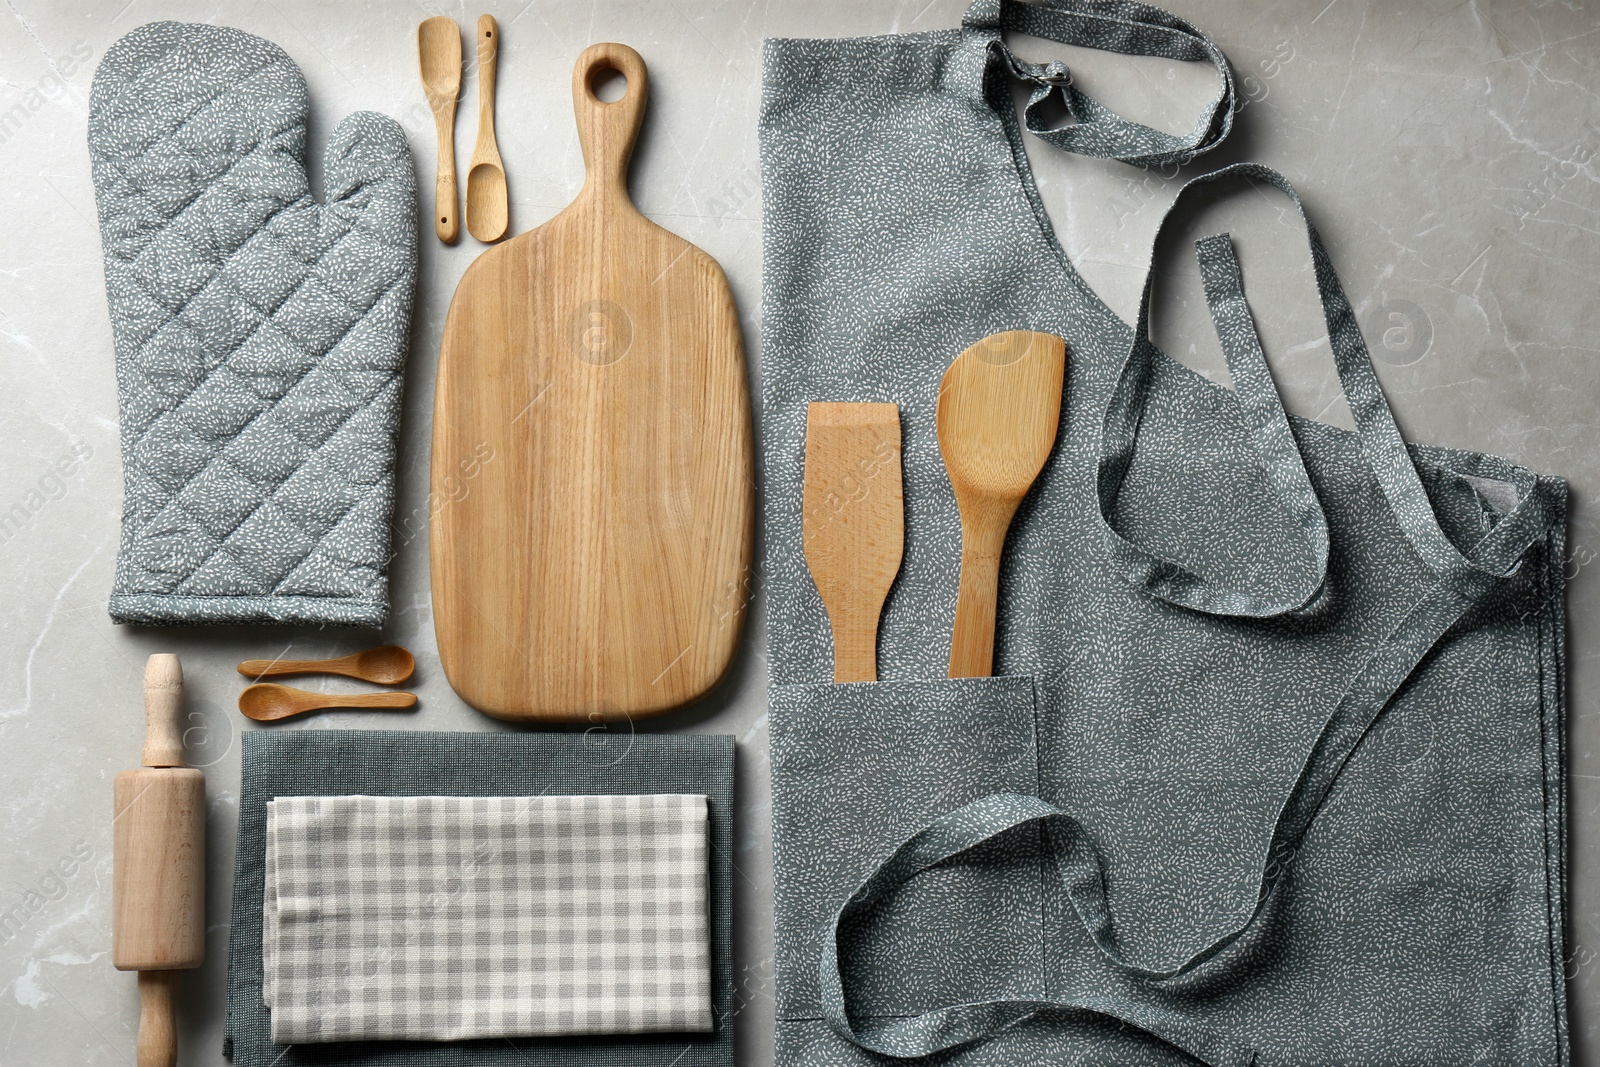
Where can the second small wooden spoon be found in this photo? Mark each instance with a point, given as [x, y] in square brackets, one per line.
[267, 701]
[386, 665]
[999, 407]
[487, 211]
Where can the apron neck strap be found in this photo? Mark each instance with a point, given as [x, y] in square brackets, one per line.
[1114, 26]
[1464, 574]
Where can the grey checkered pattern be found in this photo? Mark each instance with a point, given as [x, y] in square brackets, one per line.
[446, 918]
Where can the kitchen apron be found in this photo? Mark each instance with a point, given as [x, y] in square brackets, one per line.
[1271, 769]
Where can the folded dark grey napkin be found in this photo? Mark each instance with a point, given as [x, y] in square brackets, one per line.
[381, 763]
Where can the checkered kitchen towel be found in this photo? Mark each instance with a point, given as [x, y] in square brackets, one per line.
[446, 918]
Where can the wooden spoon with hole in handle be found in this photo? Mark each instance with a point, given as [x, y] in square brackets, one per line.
[999, 407]
[439, 57]
[486, 176]
[267, 701]
[386, 665]
[854, 526]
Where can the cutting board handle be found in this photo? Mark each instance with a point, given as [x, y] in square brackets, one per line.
[607, 131]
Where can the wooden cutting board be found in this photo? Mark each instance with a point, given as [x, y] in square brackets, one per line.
[592, 498]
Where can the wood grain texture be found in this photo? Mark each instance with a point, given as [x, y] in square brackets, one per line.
[853, 524]
[158, 1031]
[999, 408]
[384, 665]
[487, 207]
[158, 869]
[591, 531]
[163, 711]
[439, 59]
[268, 701]
[158, 839]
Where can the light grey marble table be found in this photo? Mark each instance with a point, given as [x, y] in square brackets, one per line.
[1446, 149]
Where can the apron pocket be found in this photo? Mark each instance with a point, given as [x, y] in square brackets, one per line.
[859, 767]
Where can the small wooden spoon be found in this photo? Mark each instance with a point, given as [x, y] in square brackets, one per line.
[999, 407]
[267, 701]
[486, 175]
[386, 665]
[439, 57]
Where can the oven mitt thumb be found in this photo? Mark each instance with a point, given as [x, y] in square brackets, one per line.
[260, 336]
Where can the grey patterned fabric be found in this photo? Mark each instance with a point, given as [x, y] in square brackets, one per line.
[1273, 769]
[447, 918]
[332, 763]
[260, 336]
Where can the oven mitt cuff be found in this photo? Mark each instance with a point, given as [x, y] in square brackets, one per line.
[260, 336]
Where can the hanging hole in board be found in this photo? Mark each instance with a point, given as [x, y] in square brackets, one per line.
[607, 84]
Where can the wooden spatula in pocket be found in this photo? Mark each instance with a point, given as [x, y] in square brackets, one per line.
[592, 494]
[854, 524]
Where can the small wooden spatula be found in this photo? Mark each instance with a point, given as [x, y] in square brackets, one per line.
[999, 407]
[854, 524]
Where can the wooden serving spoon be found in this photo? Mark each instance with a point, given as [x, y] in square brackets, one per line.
[999, 407]
[439, 57]
[853, 526]
[386, 665]
[486, 175]
[267, 701]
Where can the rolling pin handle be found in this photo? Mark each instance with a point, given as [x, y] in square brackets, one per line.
[158, 1034]
[163, 706]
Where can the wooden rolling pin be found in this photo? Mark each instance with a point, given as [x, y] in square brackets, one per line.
[158, 900]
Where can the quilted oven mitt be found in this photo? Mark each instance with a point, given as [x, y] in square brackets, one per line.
[260, 336]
